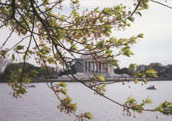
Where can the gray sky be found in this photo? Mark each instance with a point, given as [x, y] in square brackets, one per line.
[155, 23]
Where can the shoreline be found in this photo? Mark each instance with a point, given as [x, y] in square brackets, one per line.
[110, 80]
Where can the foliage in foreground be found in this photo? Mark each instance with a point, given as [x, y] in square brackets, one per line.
[51, 36]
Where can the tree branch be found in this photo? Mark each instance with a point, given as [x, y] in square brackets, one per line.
[161, 4]
[13, 6]
[7, 38]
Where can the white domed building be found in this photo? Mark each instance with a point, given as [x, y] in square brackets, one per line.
[87, 66]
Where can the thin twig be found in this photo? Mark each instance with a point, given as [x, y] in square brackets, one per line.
[19, 42]
[160, 3]
[7, 39]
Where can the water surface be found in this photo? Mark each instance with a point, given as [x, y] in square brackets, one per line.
[39, 104]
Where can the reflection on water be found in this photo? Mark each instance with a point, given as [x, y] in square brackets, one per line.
[39, 104]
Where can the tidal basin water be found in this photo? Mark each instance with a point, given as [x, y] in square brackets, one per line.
[40, 104]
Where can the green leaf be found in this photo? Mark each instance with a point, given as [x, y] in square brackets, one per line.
[20, 70]
[19, 47]
[115, 63]
[13, 57]
[107, 11]
[100, 78]
[100, 45]
[150, 71]
[51, 60]
[62, 84]
[45, 1]
[130, 100]
[165, 108]
[44, 50]
[73, 107]
[108, 51]
[22, 90]
[128, 53]
[62, 18]
[148, 100]
[96, 9]
[88, 115]
[144, 80]
[139, 13]
[64, 91]
[138, 73]
[89, 47]
[135, 80]
[73, 47]
[137, 108]
[126, 48]
[75, 13]
[68, 100]
[75, 1]
[132, 66]
[140, 35]
[131, 19]
[133, 39]
[3, 53]
[112, 40]
[103, 87]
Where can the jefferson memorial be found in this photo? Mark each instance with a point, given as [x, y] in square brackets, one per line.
[86, 67]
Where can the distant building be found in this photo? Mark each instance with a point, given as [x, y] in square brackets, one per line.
[86, 67]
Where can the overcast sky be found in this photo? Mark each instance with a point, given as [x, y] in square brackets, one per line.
[155, 23]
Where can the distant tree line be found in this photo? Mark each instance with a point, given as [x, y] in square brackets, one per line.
[124, 70]
[66, 72]
[163, 71]
[34, 71]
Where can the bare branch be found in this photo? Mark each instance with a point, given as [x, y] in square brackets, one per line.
[7, 38]
[136, 8]
[160, 3]
[19, 42]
